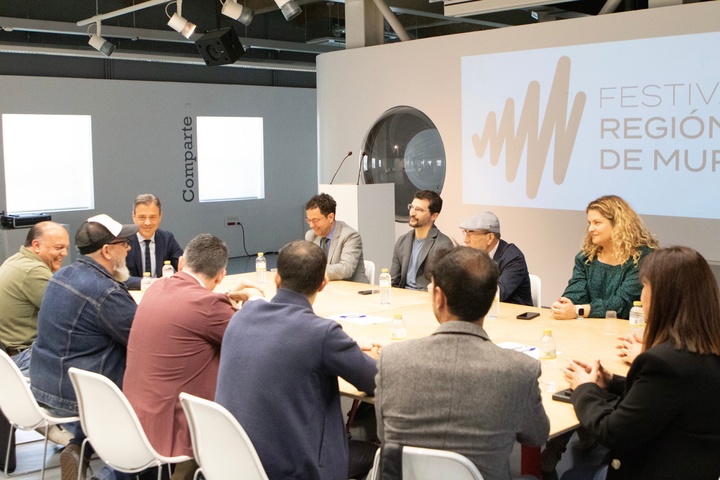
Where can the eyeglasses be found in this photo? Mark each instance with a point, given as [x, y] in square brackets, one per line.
[314, 221]
[124, 243]
[412, 207]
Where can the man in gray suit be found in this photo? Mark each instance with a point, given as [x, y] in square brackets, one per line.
[456, 390]
[412, 250]
[341, 243]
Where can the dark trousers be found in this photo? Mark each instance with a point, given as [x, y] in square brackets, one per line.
[5, 428]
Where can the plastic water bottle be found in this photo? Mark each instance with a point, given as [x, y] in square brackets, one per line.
[548, 346]
[145, 282]
[494, 312]
[637, 318]
[260, 267]
[398, 329]
[167, 270]
[385, 287]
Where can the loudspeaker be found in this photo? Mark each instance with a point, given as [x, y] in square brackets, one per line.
[220, 47]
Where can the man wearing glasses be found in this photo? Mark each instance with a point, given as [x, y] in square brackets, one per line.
[412, 250]
[482, 232]
[342, 244]
[84, 321]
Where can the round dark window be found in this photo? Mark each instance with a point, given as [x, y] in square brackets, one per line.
[404, 147]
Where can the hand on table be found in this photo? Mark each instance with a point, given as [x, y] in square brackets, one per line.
[563, 309]
[371, 349]
[244, 291]
[630, 346]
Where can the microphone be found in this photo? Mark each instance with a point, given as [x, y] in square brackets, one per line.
[362, 155]
[341, 164]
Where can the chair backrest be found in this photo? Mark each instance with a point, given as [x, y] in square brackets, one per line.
[222, 448]
[110, 423]
[16, 400]
[370, 270]
[536, 290]
[428, 464]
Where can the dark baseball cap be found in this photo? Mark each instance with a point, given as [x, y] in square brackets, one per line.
[101, 230]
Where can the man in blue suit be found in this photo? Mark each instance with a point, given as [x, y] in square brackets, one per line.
[151, 246]
[279, 369]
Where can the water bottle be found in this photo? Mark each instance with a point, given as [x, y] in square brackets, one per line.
[145, 282]
[548, 347]
[637, 318]
[260, 267]
[398, 329]
[167, 270]
[385, 287]
[494, 312]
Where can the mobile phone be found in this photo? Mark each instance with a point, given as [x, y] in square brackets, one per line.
[563, 395]
[365, 292]
[527, 315]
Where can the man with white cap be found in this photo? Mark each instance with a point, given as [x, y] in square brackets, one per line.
[84, 321]
[482, 232]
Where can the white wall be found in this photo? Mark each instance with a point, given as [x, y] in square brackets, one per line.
[356, 86]
[138, 148]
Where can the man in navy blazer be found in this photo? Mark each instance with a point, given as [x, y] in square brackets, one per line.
[279, 369]
[482, 232]
[147, 215]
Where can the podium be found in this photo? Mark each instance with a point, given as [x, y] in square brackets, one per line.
[369, 209]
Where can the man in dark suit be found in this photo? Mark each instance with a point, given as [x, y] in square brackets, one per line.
[340, 242]
[151, 246]
[482, 232]
[279, 369]
[414, 249]
[456, 390]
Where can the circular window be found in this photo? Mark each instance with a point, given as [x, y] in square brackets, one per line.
[404, 147]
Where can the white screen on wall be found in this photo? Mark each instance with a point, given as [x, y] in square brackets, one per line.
[43, 156]
[230, 154]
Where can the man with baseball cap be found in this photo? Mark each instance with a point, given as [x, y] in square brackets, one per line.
[84, 321]
[482, 232]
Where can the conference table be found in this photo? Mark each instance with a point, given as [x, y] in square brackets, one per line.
[586, 340]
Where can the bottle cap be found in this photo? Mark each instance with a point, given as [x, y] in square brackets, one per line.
[398, 315]
[146, 274]
[547, 332]
[167, 262]
[637, 303]
[384, 270]
[260, 254]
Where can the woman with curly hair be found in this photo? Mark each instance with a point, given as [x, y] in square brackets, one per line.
[605, 276]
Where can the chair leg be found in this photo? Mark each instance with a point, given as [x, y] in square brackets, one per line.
[7, 454]
[45, 444]
[81, 463]
[351, 415]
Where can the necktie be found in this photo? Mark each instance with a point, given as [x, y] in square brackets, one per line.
[323, 244]
[148, 262]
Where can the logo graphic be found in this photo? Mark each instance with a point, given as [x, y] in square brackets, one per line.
[537, 137]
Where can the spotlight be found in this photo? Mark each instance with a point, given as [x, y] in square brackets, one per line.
[101, 45]
[289, 8]
[220, 47]
[237, 12]
[178, 23]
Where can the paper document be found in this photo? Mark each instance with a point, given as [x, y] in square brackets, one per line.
[529, 350]
[359, 318]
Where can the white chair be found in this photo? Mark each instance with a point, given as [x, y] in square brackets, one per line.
[370, 270]
[536, 290]
[429, 464]
[21, 409]
[222, 448]
[112, 426]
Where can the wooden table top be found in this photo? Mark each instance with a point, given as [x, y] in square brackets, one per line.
[585, 340]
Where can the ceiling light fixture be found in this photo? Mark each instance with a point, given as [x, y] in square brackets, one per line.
[99, 43]
[178, 23]
[289, 8]
[238, 12]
